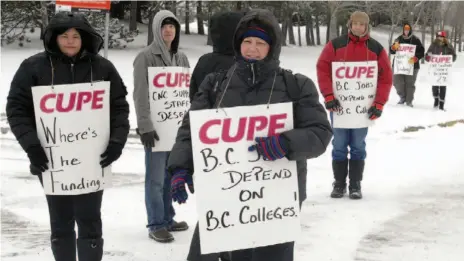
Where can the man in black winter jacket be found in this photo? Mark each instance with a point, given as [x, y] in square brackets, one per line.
[222, 28]
[406, 84]
[256, 79]
[70, 56]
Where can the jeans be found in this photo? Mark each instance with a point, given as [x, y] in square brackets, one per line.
[353, 138]
[158, 199]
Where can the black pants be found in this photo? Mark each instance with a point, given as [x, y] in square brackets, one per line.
[84, 210]
[195, 250]
[65, 212]
[439, 92]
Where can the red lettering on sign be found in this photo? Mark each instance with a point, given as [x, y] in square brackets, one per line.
[73, 101]
[248, 125]
[405, 48]
[355, 72]
[171, 80]
[440, 59]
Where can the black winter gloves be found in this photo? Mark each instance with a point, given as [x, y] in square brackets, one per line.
[38, 159]
[375, 111]
[111, 154]
[331, 103]
[148, 139]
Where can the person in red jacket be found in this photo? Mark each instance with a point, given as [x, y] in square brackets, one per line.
[357, 46]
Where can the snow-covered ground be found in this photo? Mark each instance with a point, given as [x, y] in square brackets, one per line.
[413, 184]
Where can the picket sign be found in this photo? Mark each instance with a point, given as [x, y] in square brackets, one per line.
[355, 87]
[242, 200]
[439, 70]
[169, 102]
[402, 56]
[73, 126]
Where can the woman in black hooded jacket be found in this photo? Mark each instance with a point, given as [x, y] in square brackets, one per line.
[70, 56]
[256, 78]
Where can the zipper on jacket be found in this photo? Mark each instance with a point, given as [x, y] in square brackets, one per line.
[72, 72]
[253, 72]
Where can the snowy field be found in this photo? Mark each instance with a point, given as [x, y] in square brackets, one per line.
[413, 186]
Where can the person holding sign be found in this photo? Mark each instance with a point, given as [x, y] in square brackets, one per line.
[222, 28]
[348, 69]
[408, 50]
[162, 52]
[441, 55]
[255, 80]
[70, 63]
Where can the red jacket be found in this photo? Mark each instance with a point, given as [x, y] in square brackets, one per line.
[352, 48]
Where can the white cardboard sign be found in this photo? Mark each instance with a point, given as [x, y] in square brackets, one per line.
[73, 126]
[355, 87]
[169, 102]
[242, 200]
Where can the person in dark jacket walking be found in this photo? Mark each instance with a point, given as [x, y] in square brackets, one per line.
[440, 46]
[257, 46]
[222, 29]
[406, 84]
[70, 56]
[357, 46]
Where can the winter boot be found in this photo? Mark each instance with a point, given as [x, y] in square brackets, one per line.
[435, 103]
[340, 170]
[356, 175]
[402, 101]
[441, 105]
[409, 104]
[161, 235]
[90, 249]
[64, 249]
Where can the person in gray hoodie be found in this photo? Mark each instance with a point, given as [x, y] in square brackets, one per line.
[162, 52]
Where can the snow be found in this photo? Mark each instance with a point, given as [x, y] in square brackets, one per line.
[412, 209]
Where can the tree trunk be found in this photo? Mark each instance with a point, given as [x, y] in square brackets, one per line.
[238, 5]
[187, 17]
[318, 32]
[284, 32]
[139, 11]
[201, 28]
[117, 10]
[299, 30]
[209, 40]
[334, 33]
[460, 38]
[311, 30]
[291, 34]
[150, 32]
[133, 16]
[44, 12]
[307, 33]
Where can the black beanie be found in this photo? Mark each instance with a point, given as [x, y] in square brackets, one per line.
[168, 20]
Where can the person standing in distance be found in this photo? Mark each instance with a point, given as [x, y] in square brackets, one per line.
[406, 84]
[440, 46]
[162, 52]
[70, 56]
[357, 46]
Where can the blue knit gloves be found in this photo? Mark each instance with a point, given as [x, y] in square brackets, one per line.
[271, 148]
[178, 180]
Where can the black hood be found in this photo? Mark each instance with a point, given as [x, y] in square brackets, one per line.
[222, 29]
[267, 21]
[92, 42]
